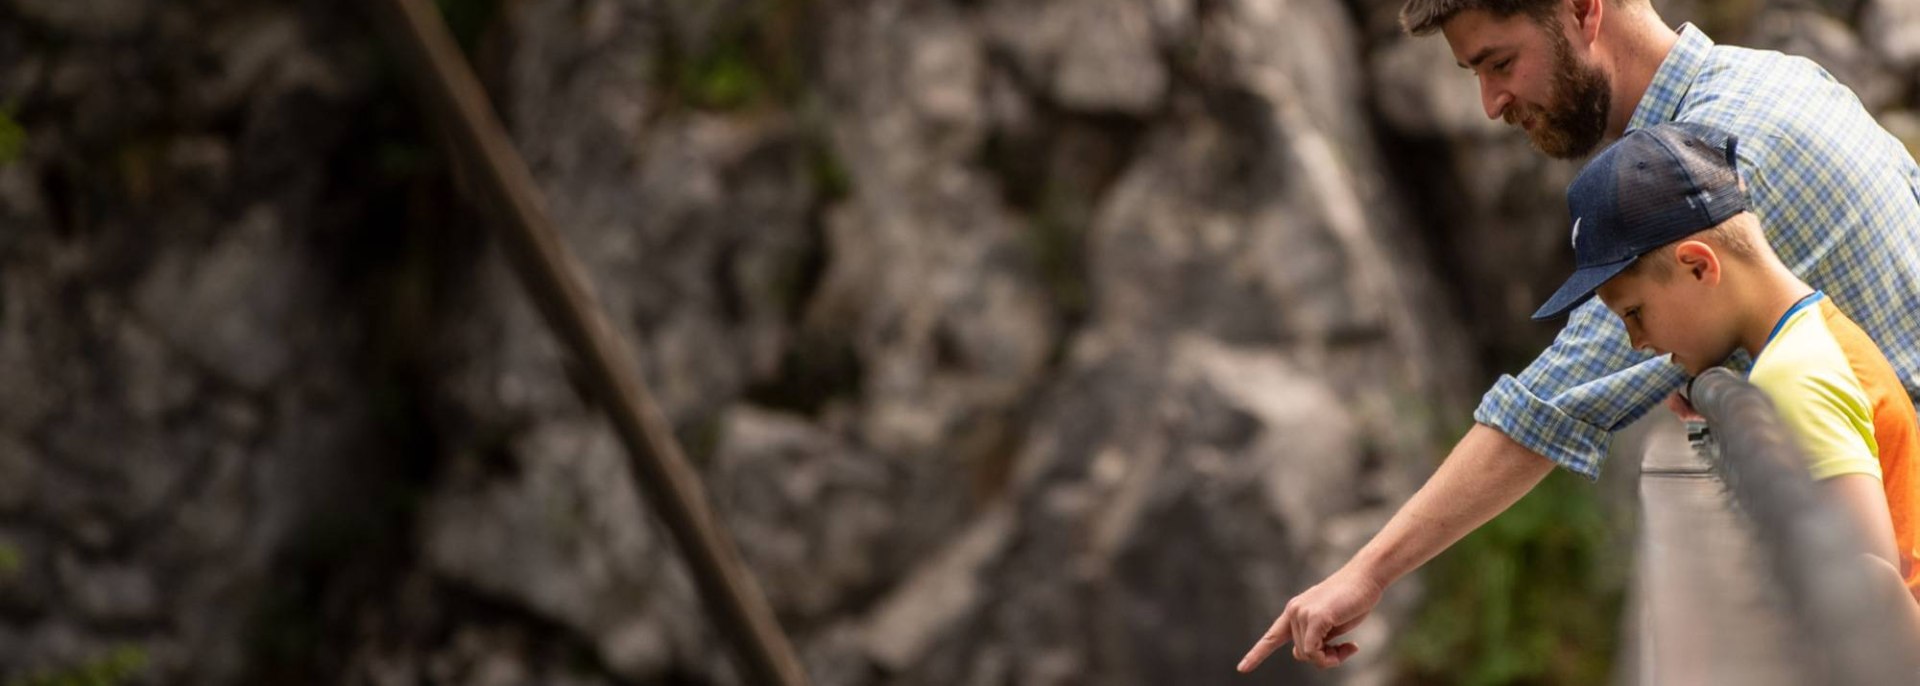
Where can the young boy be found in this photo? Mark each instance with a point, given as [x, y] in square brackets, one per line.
[1661, 233]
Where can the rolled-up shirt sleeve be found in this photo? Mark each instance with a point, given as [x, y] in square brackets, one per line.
[1588, 384]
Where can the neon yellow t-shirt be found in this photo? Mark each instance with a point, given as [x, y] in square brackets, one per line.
[1840, 397]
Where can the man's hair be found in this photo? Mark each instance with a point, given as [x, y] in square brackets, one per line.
[1735, 238]
[1423, 17]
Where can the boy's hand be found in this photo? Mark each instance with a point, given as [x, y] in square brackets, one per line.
[1679, 405]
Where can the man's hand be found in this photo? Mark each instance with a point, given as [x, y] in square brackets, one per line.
[1486, 472]
[1314, 618]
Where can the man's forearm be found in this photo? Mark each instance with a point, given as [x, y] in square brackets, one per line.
[1484, 475]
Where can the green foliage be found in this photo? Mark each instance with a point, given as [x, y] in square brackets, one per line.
[118, 666]
[9, 560]
[13, 137]
[753, 58]
[723, 79]
[1529, 598]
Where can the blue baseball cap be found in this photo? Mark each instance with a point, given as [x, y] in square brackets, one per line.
[1654, 186]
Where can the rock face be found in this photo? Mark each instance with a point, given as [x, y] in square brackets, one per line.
[184, 353]
[1031, 342]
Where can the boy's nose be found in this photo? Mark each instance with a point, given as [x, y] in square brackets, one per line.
[1637, 339]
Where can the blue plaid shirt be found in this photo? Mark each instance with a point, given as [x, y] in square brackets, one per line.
[1839, 198]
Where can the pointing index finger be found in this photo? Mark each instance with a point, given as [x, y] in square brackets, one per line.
[1276, 636]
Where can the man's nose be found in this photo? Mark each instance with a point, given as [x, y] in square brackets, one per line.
[1493, 98]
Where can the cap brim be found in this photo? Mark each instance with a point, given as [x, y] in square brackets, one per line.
[1579, 288]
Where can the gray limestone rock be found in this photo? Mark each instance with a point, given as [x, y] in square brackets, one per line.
[1420, 90]
[1892, 29]
[1092, 55]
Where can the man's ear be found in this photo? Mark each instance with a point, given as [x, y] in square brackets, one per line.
[1699, 261]
[1586, 17]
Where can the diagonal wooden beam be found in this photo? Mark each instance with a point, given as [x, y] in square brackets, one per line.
[479, 144]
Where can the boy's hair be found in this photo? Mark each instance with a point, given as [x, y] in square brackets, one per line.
[1735, 238]
[1423, 17]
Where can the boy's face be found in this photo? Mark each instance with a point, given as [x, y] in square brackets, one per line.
[1672, 314]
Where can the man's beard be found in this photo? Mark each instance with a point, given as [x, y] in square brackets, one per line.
[1573, 123]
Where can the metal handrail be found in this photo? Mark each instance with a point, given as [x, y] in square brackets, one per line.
[1847, 634]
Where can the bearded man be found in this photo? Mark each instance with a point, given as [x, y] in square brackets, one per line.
[1836, 193]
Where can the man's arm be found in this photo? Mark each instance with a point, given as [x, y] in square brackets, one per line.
[1559, 410]
[1484, 475]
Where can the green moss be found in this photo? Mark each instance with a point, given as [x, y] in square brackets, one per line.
[753, 58]
[13, 137]
[1529, 598]
[9, 560]
[724, 79]
[118, 666]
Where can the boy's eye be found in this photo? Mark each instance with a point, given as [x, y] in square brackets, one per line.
[1632, 313]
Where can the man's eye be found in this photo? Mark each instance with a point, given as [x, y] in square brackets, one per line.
[1501, 65]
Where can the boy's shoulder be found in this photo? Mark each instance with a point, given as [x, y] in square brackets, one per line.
[1819, 351]
[1801, 336]
[1805, 359]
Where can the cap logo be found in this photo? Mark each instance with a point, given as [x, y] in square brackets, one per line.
[1576, 233]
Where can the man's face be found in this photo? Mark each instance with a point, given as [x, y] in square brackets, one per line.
[1670, 314]
[1530, 77]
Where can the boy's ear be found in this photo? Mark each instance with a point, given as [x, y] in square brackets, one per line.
[1699, 261]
